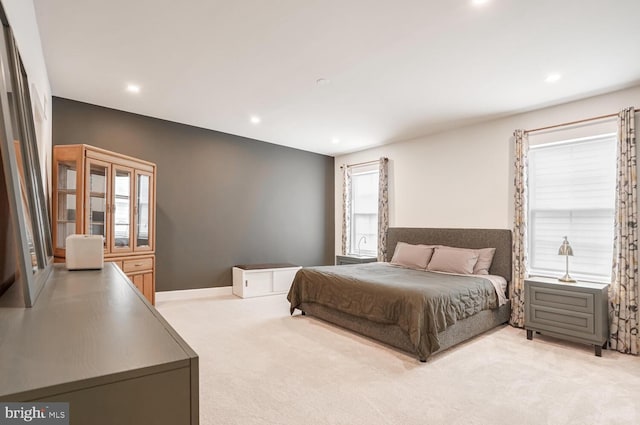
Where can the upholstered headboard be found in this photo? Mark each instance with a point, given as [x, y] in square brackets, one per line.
[461, 238]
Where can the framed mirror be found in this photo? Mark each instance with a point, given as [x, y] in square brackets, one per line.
[24, 190]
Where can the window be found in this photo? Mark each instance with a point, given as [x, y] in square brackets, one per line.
[364, 210]
[572, 193]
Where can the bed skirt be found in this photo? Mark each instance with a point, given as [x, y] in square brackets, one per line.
[392, 334]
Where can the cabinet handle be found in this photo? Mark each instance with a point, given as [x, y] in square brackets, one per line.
[138, 264]
[246, 283]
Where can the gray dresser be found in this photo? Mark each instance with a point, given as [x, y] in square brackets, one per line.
[94, 341]
[342, 260]
[573, 311]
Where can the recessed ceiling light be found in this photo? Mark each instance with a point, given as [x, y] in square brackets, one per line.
[552, 78]
[255, 119]
[479, 2]
[133, 88]
[335, 140]
[322, 81]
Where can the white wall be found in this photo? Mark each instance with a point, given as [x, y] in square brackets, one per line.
[22, 18]
[464, 177]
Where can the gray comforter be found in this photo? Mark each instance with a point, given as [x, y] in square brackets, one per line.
[421, 303]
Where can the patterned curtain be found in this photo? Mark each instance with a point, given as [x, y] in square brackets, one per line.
[624, 291]
[519, 254]
[346, 207]
[383, 208]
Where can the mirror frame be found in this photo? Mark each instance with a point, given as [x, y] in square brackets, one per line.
[13, 78]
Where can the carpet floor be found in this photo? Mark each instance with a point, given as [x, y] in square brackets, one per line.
[258, 365]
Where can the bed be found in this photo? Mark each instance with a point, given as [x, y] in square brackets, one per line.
[392, 305]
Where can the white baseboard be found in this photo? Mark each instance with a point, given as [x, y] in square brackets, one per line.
[193, 293]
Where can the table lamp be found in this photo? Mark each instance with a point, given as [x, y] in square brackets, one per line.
[567, 251]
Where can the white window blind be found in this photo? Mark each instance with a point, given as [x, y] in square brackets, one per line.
[364, 210]
[572, 193]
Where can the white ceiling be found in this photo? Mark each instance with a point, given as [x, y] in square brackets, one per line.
[397, 69]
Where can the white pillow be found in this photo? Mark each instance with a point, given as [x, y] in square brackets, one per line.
[412, 256]
[452, 260]
[485, 258]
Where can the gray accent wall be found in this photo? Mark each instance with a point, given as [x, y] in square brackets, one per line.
[221, 199]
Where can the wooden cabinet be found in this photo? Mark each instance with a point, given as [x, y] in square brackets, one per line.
[98, 192]
[572, 311]
[140, 271]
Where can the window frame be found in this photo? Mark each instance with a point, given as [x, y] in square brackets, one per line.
[352, 249]
[608, 137]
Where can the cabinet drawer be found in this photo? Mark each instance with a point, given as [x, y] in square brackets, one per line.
[117, 263]
[562, 321]
[137, 265]
[582, 302]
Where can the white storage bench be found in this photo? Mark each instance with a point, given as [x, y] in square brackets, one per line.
[256, 280]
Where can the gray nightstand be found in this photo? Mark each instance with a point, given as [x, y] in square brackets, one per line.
[353, 259]
[573, 311]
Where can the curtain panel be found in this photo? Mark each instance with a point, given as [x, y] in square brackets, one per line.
[346, 209]
[383, 208]
[624, 291]
[519, 255]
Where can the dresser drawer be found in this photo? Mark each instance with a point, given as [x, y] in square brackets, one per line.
[137, 265]
[561, 320]
[582, 302]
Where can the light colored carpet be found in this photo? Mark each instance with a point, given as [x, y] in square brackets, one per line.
[258, 365]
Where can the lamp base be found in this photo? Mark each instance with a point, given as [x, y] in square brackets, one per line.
[567, 278]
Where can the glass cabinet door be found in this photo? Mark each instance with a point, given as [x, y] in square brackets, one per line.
[143, 212]
[67, 198]
[122, 209]
[97, 199]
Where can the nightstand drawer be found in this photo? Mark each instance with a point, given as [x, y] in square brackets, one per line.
[562, 299]
[561, 320]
